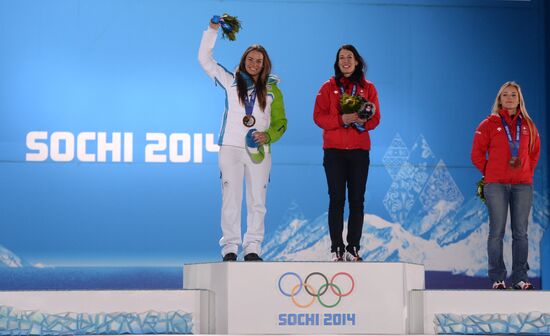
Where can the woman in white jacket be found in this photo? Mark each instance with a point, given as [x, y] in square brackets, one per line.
[254, 108]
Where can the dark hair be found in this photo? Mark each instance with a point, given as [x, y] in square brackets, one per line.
[360, 69]
[261, 82]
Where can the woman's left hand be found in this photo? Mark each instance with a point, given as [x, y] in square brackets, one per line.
[260, 137]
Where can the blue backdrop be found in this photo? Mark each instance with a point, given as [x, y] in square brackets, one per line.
[107, 123]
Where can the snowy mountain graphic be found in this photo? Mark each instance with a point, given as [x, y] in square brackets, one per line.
[9, 259]
[430, 221]
[423, 191]
[460, 251]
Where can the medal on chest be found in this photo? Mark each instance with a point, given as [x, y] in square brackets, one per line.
[248, 119]
[515, 161]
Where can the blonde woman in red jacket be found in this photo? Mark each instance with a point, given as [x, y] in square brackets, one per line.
[506, 150]
[346, 145]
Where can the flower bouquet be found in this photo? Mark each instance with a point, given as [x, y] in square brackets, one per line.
[359, 105]
[479, 190]
[230, 25]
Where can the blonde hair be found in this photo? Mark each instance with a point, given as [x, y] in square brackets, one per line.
[497, 106]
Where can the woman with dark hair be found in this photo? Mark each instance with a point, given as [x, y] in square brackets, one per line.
[254, 118]
[346, 145]
[506, 149]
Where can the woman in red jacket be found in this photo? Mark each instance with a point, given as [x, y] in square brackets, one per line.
[346, 145]
[506, 149]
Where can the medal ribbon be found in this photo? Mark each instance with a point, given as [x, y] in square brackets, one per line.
[249, 103]
[514, 143]
[353, 91]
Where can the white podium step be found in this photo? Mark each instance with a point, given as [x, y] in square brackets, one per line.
[299, 298]
[104, 312]
[480, 312]
[307, 297]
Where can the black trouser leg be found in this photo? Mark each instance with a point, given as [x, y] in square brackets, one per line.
[358, 172]
[335, 169]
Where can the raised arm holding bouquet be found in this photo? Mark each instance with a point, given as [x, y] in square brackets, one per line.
[254, 118]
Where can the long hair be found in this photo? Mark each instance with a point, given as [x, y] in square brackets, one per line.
[497, 106]
[357, 75]
[261, 82]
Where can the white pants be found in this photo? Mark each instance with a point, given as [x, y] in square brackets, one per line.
[235, 164]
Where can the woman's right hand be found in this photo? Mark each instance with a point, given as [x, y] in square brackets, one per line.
[349, 118]
[215, 22]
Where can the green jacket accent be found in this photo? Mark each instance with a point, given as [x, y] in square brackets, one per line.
[277, 126]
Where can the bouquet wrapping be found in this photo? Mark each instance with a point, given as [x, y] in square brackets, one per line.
[254, 150]
[230, 25]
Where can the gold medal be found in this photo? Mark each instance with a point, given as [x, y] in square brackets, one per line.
[249, 120]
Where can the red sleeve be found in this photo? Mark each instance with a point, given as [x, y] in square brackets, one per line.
[322, 114]
[535, 153]
[373, 98]
[480, 147]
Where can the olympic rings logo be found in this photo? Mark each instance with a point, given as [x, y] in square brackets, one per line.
[297, 285]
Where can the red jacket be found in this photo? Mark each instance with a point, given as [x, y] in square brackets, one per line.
[327, 115]
[491, 151]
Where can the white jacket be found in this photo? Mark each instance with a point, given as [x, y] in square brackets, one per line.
[232, 132]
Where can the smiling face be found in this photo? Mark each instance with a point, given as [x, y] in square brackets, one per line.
[347, 62]
[254, 63]
[509, 99]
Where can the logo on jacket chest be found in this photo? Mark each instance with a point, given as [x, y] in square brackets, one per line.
[524, 130]
[360, 92]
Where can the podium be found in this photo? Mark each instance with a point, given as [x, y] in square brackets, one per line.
[103, 312]
[480, 312]
[307, 297]
[243, 298]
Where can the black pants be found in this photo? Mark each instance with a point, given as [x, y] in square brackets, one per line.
[346, 168]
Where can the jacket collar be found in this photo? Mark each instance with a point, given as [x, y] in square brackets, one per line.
[345, 82]
[271, 79]
[511, 121]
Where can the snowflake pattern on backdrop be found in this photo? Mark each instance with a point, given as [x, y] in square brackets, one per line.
[404, 190]
[440, 186]
[396, 155]
[420, 183]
